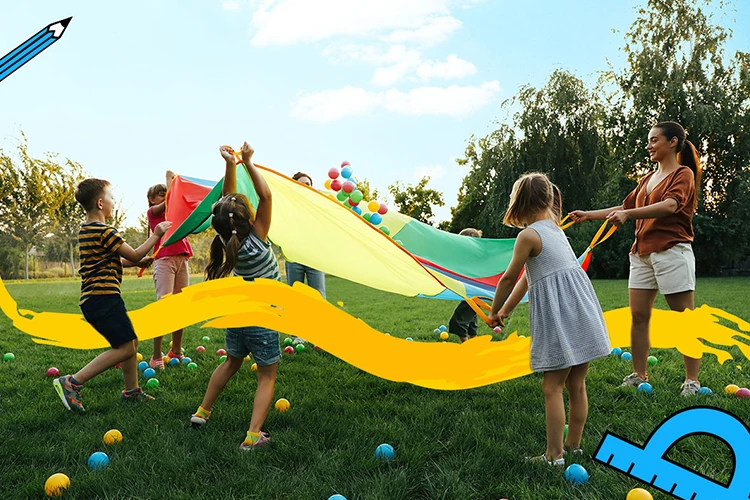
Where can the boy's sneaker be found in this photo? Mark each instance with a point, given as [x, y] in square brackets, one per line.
[690, 388]
[138, 395]
[263, 440]
[156, 364]
[69, 393]
[633, 380]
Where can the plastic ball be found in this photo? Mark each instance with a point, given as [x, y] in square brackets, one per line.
[139, 356]
[289, 349]
[399, 242]
[386, 230]
[337, 497]
[335, 185]
[200, 348]
[565, 432]
[223, 358]
[409, 338]
[192, 366]
[384, 451]
[221, 352]
[373, 206]
[617, 351]
[351, 202]
[639, 494]
[383, 209]
[53, 372]
[170, 343]
[142, 365]
[300, 347]
[9, 356]
[345, 164]
[254, 367]
[288, 341]
[348, 187]
[327, 184]
[333, 173]
[340, 304]
[627, 356]
[342, 196]
[436, 330]
[443, 328]
[576, 474]
[112, 436]
[56, 484]
[497, 329]
[346, 172]
[376, 219]
[247, 358]
[152, 383]
[443, 335]
[743, 393]
[357, 210]
[282, 405]
[731, 389]
[186, 360]
[98, 461]
[646, 388]
[205, 339]
[705, 391]
[367, 217]
[356, 196]
[174, 361]
[149, 373]
[165, 360]
[652, 360]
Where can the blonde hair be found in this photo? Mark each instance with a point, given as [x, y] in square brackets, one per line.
[470, 231]
[533, 194]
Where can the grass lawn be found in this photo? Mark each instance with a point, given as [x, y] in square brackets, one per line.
[449, 444]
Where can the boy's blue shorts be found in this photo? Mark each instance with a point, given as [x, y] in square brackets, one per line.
[262, 342]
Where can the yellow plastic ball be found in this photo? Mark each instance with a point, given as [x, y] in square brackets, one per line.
[254, 367]
[373, 206]
[112, 436]
[340, 304]
[56, 484]
[165, 360]
[731, 389]
[327, 183]
[443, 335]
[282, 405]
[247, 358]
[170, 343]
[639, 494]
[139, 356]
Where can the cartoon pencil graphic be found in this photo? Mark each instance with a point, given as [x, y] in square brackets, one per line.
[32, 47]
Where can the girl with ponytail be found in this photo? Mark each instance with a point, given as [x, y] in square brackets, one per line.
[241, 248]
[661, 259]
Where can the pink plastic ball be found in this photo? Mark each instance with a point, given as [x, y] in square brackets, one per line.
[200, 348]
[53, 372]
[348, 187]
[221, 352]
[345, 164]
[333, 173]
[335, 185]
[743, 393]
[383, 209]
[497, 329]
[289, 349]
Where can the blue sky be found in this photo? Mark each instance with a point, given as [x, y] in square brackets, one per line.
[394, 87]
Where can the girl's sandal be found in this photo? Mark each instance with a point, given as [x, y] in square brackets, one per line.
[560, 462]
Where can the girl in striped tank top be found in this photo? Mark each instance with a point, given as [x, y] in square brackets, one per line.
[241, 248]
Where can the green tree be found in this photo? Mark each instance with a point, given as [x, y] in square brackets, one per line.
[416, 201]
[368, 193]
[69, 214]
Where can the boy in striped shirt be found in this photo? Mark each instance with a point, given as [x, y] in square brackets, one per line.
[103, 255]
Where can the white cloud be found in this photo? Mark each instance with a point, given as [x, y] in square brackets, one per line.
[285, 22]
[231, 5]
[453, 68]
[435, 173]
[434, 31]
[332, 105]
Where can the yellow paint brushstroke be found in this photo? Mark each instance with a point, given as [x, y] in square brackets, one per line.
[301, 311]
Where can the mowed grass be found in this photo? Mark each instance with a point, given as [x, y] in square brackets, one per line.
[449, 444]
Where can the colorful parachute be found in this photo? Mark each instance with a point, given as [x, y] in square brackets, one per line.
[312, 228]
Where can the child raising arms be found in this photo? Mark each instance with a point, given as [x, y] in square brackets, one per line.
[566, 320]
[241, 248]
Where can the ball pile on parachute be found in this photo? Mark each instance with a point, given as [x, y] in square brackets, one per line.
[342, 182]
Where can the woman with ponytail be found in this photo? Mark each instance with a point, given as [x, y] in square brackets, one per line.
[241, 248]
[661, 259]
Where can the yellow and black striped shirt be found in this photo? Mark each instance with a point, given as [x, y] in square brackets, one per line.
[101, 268]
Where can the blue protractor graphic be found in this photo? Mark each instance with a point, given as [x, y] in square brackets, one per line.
[647, 462]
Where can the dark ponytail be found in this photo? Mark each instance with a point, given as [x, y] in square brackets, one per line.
[232, 219]
[216, 259]
[687, 154]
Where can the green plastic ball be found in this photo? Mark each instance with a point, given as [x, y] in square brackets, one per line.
[205, 339]
[652, 360]
[288, 341]
[192, 366]
[300, 347]
[9, 356]
[223, 358]
[152, 383]
[565, 432]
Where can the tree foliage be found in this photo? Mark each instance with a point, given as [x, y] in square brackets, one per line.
[416, 201]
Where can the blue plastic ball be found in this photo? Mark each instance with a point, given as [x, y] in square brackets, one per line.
[142, 365]
[443, 328]
[617, 351]
[409, 338]
[705, 390]
[357, 210]
[576, 474]
[149, 373]
[376, 219]
[98, 460]
[346, 172]
[645, 387]
[337, 497]
[627, 356]
[384, 451]
[437, 330]
[174, 361]
[186, 360]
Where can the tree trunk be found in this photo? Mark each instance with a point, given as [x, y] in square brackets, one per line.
[26, 261]
[72, 262]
